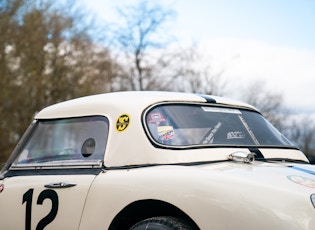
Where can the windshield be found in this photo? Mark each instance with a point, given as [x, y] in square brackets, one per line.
[187, 125]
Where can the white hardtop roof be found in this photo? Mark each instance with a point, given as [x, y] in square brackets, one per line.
[102, 104]
[132, 145]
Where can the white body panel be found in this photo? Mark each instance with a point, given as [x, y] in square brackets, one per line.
[220, 196]
[69, 201]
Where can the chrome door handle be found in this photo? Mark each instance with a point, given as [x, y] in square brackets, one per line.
[59, 185]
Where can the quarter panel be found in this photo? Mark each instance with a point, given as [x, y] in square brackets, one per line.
[214, 199]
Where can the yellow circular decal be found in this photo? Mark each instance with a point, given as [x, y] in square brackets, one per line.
[122, 122]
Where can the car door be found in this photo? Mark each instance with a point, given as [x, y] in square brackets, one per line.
[47, 183]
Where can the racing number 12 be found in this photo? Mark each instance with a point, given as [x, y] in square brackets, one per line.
[46, 194]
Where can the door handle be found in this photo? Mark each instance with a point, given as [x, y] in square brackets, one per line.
[60, 185]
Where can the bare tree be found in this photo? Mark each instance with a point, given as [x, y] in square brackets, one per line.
[196, 75]
[269, 103]
[140, 36]
[302, 132]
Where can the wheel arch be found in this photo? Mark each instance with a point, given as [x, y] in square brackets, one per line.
[143, 209]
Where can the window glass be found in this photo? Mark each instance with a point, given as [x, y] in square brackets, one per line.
[184, 125]
[65, 141]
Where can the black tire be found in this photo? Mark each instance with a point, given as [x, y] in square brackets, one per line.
[162, 223]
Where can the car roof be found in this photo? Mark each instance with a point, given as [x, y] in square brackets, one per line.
[132, 145]
[104, 104]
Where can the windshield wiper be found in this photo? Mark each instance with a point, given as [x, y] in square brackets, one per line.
[284, 160]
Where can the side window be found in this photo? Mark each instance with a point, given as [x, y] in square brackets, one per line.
[65, 142]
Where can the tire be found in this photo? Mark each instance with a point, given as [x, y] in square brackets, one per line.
[162, 223]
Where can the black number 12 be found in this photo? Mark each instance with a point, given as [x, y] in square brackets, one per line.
[46, 194]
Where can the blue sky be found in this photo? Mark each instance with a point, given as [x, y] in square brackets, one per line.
[267, 40]
[279, 22]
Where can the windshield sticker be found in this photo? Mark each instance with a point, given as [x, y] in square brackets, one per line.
[156, 118]
[302, 181]
[165, 133]
[221, 110]
[209, 137]
[235, 135]
[249, 130]
[122, 122]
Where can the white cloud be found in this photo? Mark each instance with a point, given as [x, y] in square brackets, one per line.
[286, 70]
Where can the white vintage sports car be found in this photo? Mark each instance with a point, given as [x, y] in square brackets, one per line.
[155, 160]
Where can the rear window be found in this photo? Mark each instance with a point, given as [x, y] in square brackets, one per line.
[187, 125]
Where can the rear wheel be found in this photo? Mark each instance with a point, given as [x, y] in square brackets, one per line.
[162, 223]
